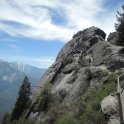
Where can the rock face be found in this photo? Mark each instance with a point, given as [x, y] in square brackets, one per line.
[85, 55]
[104, 53]
[70, 53]
[83, 62]
[113, 38]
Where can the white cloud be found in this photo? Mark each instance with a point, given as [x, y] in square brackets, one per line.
[37, 16]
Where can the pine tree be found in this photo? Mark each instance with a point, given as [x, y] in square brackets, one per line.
[120, 27]
[23, 100]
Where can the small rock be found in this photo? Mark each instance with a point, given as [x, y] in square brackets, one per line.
[114, 120]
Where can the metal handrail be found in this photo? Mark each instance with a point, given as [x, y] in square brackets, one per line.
[119, 99]
[118, 83]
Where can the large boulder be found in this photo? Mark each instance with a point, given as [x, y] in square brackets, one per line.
[81, 41]
[90, 32]
[109, 105]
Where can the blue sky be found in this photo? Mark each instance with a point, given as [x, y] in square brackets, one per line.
[34, 31]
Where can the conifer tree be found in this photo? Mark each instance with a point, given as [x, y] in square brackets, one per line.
[120, 27]
[23, 100]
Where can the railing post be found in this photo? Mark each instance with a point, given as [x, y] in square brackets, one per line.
[120, 108]
[119, 100]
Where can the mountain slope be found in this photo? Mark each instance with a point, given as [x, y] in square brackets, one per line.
[11, 78]
[83, 74]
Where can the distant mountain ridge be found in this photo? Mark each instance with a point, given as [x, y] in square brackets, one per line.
[11, 76]
[32, 72]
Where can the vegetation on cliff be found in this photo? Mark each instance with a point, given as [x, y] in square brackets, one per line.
[84, 110]
[120, 27]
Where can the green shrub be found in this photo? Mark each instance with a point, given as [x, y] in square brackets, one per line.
[112, 78]
[93, 114]
[93, 117]
[104, 72]
[23, 121]
[45, 97]
[67, 119]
